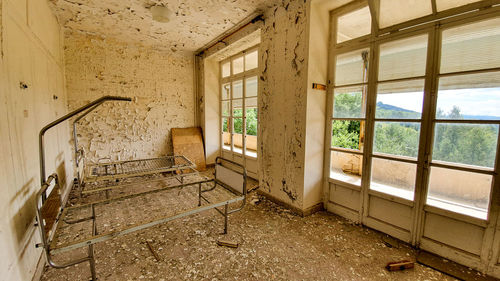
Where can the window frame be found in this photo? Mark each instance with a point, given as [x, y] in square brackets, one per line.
[230, 79]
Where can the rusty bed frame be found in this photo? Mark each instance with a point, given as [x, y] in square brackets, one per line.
[51, 210]
[108, 171]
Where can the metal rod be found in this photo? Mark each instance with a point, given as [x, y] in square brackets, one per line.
[62, 119]
[225, 218]
[199, 194]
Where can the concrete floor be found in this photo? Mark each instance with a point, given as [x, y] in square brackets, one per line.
[274, 245]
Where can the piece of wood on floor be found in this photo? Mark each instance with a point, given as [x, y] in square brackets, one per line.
[400, 265]
[227, 243]
[189, 143]
[451, 268]
[153, 251]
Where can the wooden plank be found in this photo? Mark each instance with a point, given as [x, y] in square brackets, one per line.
[189, 142]
[50, 209]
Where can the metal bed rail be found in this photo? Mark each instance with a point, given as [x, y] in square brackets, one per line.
[49, 238]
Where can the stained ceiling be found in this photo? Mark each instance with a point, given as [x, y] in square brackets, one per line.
[194, 24]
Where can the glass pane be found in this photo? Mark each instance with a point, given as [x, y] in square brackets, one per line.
[226, 91]
[238, 65]
[226, 69]
[448, 4]
[470, 144]
[352, 67]
[346, 167]
[251, 60]
[473, 96]
[238, 108]
[348, 134]
[238, 135]
[251, 86]
[400, 100]
[237, 89]
[459, 191]
[473, 46]
[393, 177]
[397, 138]
[251, 127]
[349, 103]
[354, 24]
[226, 111]
[403, 58]
[397, 11]
[226, 135]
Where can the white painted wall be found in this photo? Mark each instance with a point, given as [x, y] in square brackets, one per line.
[318, 37]
[32, 54]
[212, 130]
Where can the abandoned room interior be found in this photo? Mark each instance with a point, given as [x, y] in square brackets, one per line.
[249, 140]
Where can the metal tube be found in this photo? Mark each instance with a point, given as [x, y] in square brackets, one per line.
[199, 194]
[62, 119]
[225, 218]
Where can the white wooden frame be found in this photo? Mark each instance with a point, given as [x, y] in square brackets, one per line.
[433, 25]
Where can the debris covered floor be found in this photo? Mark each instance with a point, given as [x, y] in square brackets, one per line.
[274, 245]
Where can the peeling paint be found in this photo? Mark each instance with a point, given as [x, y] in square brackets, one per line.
[160, 84]
[194, 24]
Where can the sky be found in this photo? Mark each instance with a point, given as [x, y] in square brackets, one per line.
[484, 101]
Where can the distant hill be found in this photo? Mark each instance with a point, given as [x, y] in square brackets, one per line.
[381, 105]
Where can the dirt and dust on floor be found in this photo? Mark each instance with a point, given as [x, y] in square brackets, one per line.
[273, 244]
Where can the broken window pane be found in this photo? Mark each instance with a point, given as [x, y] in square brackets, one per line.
[346, 167]
[354, 24]
[472, 96]
[349, 102]
[393, 177]
[347, 134]
[400, 100]
[397, 138]
[251, 60]
[226, 70]
[461, 192]
[251, 87]
[238, 65]
[403, 58]
[470, 144]
[238, 135]
[352, 67]
[397, 11]
[226, 108]
[226, 134]
[226, 91]
[470, 47]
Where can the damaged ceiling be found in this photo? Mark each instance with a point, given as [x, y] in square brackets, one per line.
[194, 23]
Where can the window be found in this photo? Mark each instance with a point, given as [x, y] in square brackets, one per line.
[239, 90]
[467, 119]
[426, 113]
[349, 115]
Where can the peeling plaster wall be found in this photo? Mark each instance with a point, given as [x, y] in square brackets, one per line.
[32, 93]
[283, 101]
[160, 83]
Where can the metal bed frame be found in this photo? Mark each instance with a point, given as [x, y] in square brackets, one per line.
[107, 170]
[51, 213]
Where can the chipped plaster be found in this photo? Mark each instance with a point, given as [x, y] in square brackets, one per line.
[282, 102]
[160, 83]
[195, 23]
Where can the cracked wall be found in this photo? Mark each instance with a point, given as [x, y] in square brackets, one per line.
[32, 94]
[159, 82]
[282, 102]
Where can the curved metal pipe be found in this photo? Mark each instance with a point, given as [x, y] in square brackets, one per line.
[62, 119]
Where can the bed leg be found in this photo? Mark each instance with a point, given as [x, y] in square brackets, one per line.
[199, 194]
[92, 262]
[225, 218]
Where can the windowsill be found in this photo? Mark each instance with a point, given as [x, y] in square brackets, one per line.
[391, 190]
[351, 179]
[457, 208]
